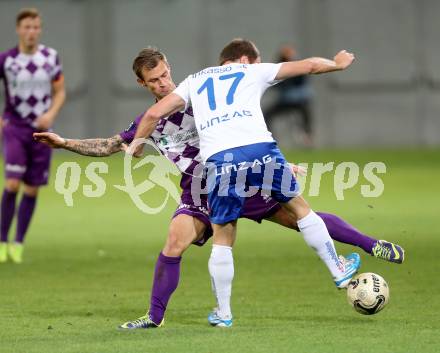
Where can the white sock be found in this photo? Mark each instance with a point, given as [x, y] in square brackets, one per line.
[221, 269]
[316, 236]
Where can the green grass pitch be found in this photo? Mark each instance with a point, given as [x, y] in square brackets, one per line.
[89, 268]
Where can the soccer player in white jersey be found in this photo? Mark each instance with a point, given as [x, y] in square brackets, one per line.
[241, 154]
[190, 223]
[34, 87]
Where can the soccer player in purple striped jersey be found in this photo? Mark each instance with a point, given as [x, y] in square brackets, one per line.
[34, 87]
[177, 139]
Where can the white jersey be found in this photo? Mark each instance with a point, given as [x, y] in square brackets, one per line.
[226, 105]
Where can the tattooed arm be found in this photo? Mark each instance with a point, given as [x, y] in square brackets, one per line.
[99, 147]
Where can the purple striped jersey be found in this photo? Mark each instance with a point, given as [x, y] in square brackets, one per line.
[177, 139]
[28, 82]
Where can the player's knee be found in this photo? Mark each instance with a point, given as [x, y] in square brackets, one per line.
[285, 219]
[291, 222]
[31, 191]
[12, 185]
[177, 242]
[298, 207]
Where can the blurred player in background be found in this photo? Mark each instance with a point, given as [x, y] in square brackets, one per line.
[177, 138]
[34, 87]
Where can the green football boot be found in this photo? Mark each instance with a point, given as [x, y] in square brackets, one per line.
[15, 251]
[388, 251]
[144, 322]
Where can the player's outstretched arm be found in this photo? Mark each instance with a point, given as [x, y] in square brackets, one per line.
[165, 107]
[99, 147]
[341, 61]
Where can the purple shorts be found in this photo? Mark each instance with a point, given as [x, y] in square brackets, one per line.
[256, 208]
[25, 158]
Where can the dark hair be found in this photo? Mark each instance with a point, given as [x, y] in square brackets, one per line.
[148, 58]
[238, 47]
[25, 13]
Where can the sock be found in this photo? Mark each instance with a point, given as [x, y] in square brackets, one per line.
[7, 213]
[221, 269]
[316, 236]
[24, 216]
[166, 279]
[345, 233]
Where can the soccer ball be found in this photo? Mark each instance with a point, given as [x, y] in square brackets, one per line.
[368, 293]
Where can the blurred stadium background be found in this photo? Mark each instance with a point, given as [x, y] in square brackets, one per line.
[390, 97]
[89, 268]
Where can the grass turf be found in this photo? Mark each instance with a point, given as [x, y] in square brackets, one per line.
[88, 268]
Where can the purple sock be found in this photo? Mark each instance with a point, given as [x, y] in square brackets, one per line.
[24, 216]
[343, 232]
[7, 213]
[166, 279]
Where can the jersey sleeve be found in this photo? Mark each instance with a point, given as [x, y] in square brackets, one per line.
[128, 134]
[266, 73]
[183, 92]
[57, 69]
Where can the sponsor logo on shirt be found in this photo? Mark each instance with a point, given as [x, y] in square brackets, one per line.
[178, 138]
[226, 169]
[228, 116]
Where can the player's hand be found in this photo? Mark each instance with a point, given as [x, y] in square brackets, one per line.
[43, 122]
[50, 139]
[343, 59]
[298, 170]
[136, 149]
